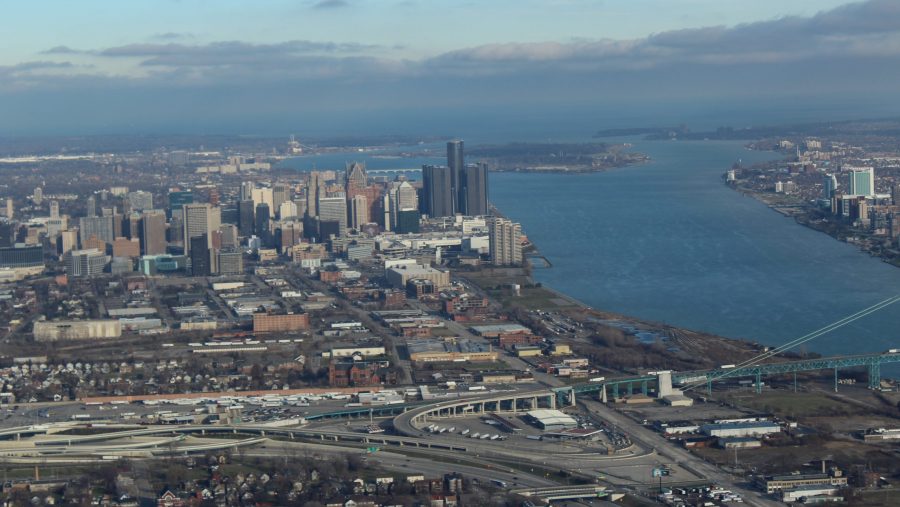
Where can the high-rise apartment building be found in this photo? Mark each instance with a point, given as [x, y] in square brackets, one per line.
[862, 181]
[199, 220]
[334, 209]
[85, 263]
[99, 227]
[505, 237]
[153, 232]
[231, 261]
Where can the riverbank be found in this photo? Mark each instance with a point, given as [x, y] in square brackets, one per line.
[821, 220]
[620, 343]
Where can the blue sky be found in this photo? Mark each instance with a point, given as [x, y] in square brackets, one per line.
[191, 65]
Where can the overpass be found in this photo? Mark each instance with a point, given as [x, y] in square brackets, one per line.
[554, 493]
[513, 402]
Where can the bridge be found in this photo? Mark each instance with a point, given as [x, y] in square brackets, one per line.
[393, 171]
[554, 493]
[642, 382]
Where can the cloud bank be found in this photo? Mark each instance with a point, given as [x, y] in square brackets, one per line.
[849, 51]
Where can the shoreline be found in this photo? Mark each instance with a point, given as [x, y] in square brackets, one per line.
[801, 217]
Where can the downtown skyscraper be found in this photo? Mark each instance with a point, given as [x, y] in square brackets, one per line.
[456, 188]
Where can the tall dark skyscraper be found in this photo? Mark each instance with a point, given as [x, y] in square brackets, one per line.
[200, 261]
[262, 223]
[177, 200]
[437, 191]
[473, 191]
[456, 162]
[246, 218]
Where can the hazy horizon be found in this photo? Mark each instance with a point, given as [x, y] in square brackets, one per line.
[395, 68]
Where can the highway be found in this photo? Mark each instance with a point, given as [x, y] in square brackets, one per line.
[674, 454]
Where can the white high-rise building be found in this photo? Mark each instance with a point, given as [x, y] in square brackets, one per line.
[505, 237]
[287, 210]
[402, 197]
[264, 195]
[54, 209]
[829, 186]
[334, 209]
[359, 211]
[862, 181]
[247, 190]
[85, 263]
[200, 219]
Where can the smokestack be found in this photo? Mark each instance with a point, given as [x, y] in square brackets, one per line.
[823, 466]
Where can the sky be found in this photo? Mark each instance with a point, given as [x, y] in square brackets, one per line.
[439, 66]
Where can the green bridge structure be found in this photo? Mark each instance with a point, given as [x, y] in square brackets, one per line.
[642, 383]
[757, 371]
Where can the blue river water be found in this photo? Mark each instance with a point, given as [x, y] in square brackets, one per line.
[667, 241]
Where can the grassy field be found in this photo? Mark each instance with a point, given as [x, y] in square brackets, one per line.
[532, 298]
[793, 405]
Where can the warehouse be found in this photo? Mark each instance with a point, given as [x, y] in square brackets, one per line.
[551, 420]
[742, 429]
[438, 351]
[76, 329]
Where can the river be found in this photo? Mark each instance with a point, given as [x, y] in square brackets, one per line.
[668, 241]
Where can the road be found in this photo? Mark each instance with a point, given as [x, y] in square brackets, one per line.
[413, 465]
[652, 440]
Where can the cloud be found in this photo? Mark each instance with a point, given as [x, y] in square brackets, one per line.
[855, 30]
[331, 4]
[172, 36]
[851, 51]
[61, 50]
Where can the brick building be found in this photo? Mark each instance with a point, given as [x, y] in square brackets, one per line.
[267, 322]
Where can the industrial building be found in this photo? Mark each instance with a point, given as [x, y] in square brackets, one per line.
[741, 429]
[398, 276]
[76, 329]
[777, 483]
[265, 322]
[437, 351]
[551, 420]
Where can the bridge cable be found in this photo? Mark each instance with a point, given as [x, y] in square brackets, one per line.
[798, 341]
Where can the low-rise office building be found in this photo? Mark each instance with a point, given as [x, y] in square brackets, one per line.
[76, 329]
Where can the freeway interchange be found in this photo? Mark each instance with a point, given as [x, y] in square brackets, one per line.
[521, 462]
